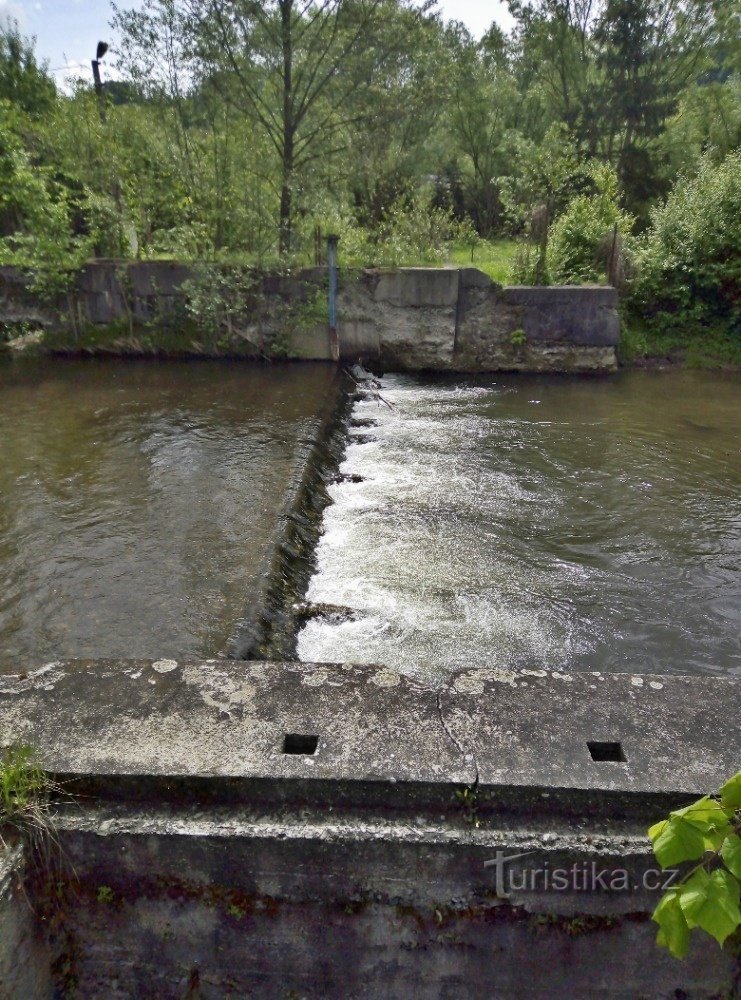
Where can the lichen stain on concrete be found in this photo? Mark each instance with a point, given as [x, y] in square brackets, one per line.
[385, 678]
[46, 678]
[316, 678]
[474, 681]
[164, 666]
[219, 691]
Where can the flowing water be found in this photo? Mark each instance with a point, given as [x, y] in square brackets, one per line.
[545, 522]
[138, 499]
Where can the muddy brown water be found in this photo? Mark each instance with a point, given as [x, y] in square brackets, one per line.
[137, 500]
[587, 524]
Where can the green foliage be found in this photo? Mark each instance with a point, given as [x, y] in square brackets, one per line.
[35, 214]
[412, 231]
[689, 261]
[492, 257]
[220, 300]
[23, 83]
[105, 895]
[518, 338]
[22, 783]
[708, 896]
[579, 239]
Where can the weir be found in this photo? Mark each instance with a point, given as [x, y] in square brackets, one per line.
[240, 825]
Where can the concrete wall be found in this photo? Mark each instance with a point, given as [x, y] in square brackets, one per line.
[25, 966]
[204, 860]
[408, 318]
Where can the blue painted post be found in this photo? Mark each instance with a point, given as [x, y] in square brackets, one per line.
[334, 340]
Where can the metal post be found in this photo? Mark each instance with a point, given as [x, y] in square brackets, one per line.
[101, 51]
[334, 340]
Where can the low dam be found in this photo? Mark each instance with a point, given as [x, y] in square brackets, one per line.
[333, 681]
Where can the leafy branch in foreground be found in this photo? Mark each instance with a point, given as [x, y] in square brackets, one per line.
[706, 831]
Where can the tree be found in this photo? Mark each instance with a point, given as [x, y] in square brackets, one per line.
[648, 51]
[23, 82]
[292, 68]
[482, 110]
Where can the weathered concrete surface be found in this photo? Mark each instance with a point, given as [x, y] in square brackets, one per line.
[25, 967]
[409, 313]
[511, 728]
[584, 315]
[521, 328]
[214, 859]
[438, 319]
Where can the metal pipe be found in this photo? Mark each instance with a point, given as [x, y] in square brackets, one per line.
[334, 340]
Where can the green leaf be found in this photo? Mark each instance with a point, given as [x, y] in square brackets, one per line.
[689, 832]
[730, 793]
[711, 902]
[674, 932]
[731, 853]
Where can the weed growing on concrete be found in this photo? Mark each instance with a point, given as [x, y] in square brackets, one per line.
[105, 894]
[469, 799]
[25, 797]
[518, 338]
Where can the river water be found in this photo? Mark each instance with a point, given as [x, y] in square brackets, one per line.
[137, 500]
[538, 521]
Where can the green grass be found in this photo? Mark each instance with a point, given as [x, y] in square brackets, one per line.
[695, 345]
[493, 258]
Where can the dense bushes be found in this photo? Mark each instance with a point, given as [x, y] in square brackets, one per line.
[688, 264]
[580, 239]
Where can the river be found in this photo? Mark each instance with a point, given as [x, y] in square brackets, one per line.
[137, 500]
[544, 522]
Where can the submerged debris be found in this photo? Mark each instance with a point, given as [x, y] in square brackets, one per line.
[336, 613]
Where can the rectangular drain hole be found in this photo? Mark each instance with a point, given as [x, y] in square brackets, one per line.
[300, 743]
[606, 751]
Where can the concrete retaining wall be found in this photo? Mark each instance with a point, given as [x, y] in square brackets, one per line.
[25, 965]
[212, 862]
[410, 318]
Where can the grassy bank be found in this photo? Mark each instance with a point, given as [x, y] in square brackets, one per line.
[694, 345]
[493, 258]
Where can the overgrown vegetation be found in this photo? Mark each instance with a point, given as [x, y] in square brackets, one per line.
[598, 141]
[707, 896]
[25, 791]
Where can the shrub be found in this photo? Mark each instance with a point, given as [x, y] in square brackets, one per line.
[688, 263]
[578, 239]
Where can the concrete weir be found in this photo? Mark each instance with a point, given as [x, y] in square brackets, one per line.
[236, 828]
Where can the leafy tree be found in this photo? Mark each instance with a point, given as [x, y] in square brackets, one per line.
[291, 68]
[580, 240]
[35, 213]
[483, 104]
[23, 82]
[648, 50]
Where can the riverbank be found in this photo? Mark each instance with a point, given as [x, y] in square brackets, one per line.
[689, 345]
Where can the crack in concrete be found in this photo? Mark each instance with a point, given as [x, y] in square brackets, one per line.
[454, 741]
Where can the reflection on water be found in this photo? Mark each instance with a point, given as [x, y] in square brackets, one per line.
[138, 499]
[561, 523]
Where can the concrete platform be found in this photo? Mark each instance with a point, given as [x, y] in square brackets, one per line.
[222, 812]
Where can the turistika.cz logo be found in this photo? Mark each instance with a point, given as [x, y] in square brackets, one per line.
[581, 876]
